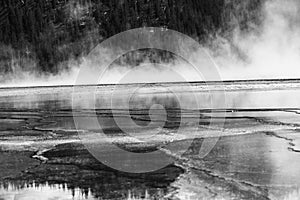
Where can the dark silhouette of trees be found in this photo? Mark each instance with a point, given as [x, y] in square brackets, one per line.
[55, 30]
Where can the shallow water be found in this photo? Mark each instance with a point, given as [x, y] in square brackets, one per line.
[256, 155]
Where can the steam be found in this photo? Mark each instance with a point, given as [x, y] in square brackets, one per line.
[30, 76]
[30, 79]
[177, 71]
[272, 53]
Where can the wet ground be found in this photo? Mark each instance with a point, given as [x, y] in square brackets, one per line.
[257, 154]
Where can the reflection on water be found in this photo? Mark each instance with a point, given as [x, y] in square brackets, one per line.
[42, 191]
[33, 191]
[257, 157]
[255, 94]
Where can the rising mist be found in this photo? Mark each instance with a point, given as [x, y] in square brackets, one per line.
[268, 50]
[272, 52]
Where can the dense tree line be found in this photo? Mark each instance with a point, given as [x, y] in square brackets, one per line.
[54, 31]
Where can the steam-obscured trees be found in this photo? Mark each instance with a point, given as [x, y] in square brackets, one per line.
[53, 31]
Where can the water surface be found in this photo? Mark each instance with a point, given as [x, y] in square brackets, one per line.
[256, 156]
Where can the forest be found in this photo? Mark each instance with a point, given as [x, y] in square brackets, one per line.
[45, 35]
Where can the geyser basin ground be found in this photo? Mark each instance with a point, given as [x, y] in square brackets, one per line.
[256, 157]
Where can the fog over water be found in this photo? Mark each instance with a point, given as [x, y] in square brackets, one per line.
[237, 139]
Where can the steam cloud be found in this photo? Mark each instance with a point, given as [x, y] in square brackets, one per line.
[270, 53]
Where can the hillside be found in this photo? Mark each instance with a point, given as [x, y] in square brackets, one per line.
[45, 36]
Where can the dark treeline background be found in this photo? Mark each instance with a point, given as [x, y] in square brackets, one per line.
[44, 35]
